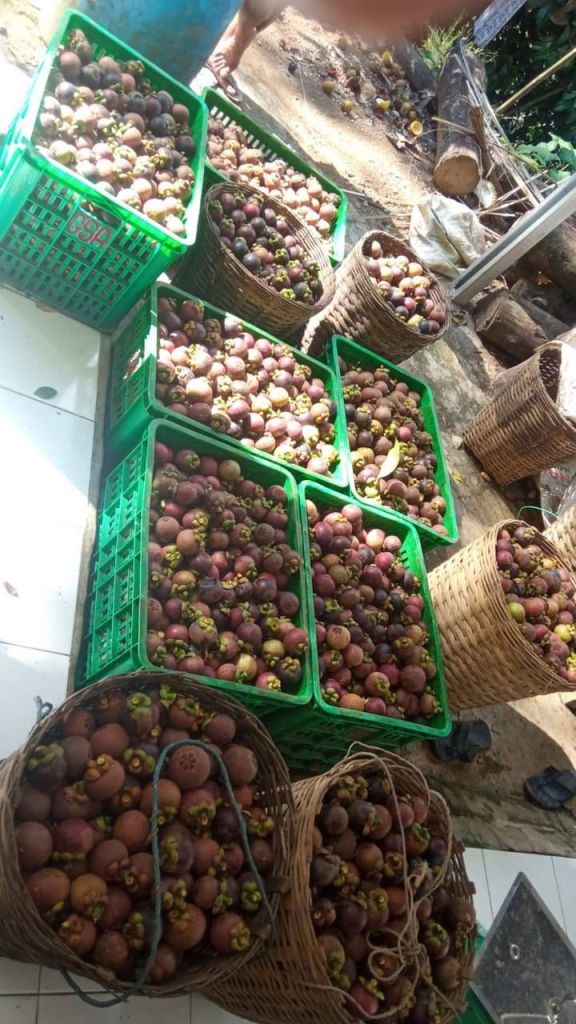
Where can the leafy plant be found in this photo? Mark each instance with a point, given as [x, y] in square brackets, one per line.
[557, 158]
[439, 41]
[541, 33]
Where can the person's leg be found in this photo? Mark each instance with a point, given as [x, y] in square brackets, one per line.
[252, 18]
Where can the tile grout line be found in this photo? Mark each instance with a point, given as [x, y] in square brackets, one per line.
[488, 886]
[565, 922]
[39, 650]
[48, 405]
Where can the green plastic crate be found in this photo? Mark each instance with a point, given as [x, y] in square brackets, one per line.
[133, 401]
[64, 242]
[273, 147]
[117, 604]
[322, 733]
[356, 354]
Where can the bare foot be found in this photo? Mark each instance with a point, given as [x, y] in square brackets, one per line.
[220, 68]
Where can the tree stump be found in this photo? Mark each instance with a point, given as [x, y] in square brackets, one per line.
[502, 321]
[458, 158]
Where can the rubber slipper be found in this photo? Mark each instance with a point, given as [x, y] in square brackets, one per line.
[552, 789]
[465, 742]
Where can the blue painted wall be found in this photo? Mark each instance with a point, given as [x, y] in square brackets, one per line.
[178, 35]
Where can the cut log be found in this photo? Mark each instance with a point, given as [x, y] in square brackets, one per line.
[555, 256]
[502, 321]
[552, 327]
[548, 296]
[420, 77]
[458, 159]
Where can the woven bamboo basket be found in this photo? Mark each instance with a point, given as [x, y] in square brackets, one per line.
[457, 884]
[23, 933]
[562, 533]
[359, 311]
[213, 271]
[289, 983]
[520, 430]
[486, 657]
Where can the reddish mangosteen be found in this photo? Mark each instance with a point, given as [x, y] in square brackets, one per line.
[77, 752]
[229, 933]
[89, 895]
[33, 805]
[110, 739]
[34, 845]
[189, 767]
[177, 849]
[132, 828]
[104, 777]
[74, 802]
[169, 800]
[117, 909]
[112, 952]
[185, 928]
[108, 859]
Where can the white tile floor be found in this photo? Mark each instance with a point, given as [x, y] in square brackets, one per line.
[46, 447]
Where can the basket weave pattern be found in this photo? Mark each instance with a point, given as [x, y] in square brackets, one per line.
[457, 883]
[289, 983]
[23, 933]
[359, 310]
[562, 533]
[214, 272]
[520, 430]
[486, 657]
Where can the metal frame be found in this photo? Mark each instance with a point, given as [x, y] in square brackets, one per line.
[523, 236]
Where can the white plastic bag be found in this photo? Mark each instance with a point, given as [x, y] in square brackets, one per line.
[557, 491]
[445, 234]
[566, 398]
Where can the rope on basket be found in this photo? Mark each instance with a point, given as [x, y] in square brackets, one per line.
[143, 972]
[538, 508]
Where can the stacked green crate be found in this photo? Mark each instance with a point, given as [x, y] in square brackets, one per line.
[62, 240]
[133, 379]
[322, 733]
[356, 355]
[115, 640]
[311, 733]
[274, 148]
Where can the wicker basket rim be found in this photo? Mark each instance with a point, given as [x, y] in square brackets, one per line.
[310, 241]
[11, 772]
[394, 245]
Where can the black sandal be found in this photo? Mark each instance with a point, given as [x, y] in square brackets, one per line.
[552, 789]
[466, 741]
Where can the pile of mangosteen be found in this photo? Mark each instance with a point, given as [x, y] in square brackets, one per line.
[372, 640]
[376, 893]
[222, 602]
[540, 594]
[231, 152]
[83, 832]
[253, 389]
[406, 289]
[392, 453]
[103, 119]
[261, 238]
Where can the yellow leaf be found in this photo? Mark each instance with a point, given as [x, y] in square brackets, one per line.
[457, 476]
[390, 462]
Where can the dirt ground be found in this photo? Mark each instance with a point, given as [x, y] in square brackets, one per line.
[384, 175]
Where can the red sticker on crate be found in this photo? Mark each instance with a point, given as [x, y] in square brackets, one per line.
[88, 229]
